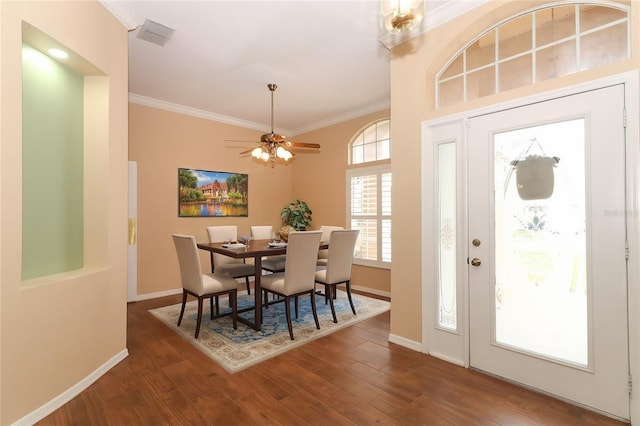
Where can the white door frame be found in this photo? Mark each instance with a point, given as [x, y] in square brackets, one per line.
[454, 347]
[132, 243]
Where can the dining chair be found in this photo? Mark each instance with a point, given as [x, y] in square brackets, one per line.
[200, 285]
[299, 273]
[269, 263]
[342, 243]
[235, 268]
[326, 234]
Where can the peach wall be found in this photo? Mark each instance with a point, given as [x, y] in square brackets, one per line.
[56, 331]
[414, 65]
[319, 180]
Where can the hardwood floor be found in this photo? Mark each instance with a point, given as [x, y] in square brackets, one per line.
[353, 376]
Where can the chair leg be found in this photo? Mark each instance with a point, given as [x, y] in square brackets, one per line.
[217, 306]
[184, 302]
[313, 309]
[246, 280]
[265, 297]
[331, 289]
[296, 305]
[199, 316]
[287, 310]
[348, 285]
[211, 303]
[233, 300]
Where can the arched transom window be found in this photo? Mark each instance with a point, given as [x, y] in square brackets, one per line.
[539, 45]
[372, 143]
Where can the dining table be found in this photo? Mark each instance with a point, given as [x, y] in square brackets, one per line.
[256, 249]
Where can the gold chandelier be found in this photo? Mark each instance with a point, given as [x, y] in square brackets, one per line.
[400, 20]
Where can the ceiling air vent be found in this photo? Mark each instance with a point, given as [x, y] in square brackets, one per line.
[155, 32]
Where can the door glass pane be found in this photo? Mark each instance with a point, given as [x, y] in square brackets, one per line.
[540, 241]
[447, 309]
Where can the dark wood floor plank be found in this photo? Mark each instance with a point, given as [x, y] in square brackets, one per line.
[353, 376]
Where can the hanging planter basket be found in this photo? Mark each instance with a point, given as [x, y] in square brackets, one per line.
[534, 176]
[534, 173]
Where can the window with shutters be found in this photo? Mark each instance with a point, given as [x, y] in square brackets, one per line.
[369, 196]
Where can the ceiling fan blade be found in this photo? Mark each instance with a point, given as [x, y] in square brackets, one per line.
[244, 141]
[303, 144]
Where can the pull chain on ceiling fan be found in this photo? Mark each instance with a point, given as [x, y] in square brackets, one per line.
[274, 146]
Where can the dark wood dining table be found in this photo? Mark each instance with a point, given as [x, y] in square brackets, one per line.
[256, 249]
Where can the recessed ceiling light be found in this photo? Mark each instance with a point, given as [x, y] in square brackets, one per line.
[57, 53]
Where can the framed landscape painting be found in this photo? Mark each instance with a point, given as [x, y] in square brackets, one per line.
[203, 193]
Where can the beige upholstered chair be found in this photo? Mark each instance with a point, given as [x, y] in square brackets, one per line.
[326, 233]
[298, 276]
[269, 263]
[262, 232]
[235, 268]
[338, 269]
[200, 285]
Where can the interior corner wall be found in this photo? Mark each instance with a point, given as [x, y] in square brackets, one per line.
[57, 331]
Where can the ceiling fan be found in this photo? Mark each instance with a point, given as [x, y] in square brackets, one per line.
[273, 145]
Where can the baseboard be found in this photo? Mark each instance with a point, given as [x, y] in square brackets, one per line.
[158, 294]
[402, 341]
[66, 396]
[371, 291]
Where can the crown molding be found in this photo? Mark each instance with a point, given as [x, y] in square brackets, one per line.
[379, 106]
[199, 113]
[123, 13]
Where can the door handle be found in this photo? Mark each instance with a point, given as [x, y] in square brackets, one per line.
[476, 262]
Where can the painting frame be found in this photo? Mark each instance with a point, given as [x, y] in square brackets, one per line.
[209, 193]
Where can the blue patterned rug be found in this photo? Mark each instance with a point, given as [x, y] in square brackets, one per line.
[238, 349]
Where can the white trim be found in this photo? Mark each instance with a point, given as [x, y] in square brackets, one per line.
[356, 113]
[75, 390]
[199, 113]
[158, 294]
[371, 291]
[403, 341]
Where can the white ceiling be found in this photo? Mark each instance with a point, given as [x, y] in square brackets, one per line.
[325, 56]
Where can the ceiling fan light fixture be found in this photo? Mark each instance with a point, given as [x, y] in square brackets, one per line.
[273, 145]
[257, 152]
[283, 153]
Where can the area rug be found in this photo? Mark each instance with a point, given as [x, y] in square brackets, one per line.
[238, 349]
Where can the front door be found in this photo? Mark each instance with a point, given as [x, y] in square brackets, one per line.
[547, 248]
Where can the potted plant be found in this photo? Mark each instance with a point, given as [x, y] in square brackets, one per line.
[294, 216]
